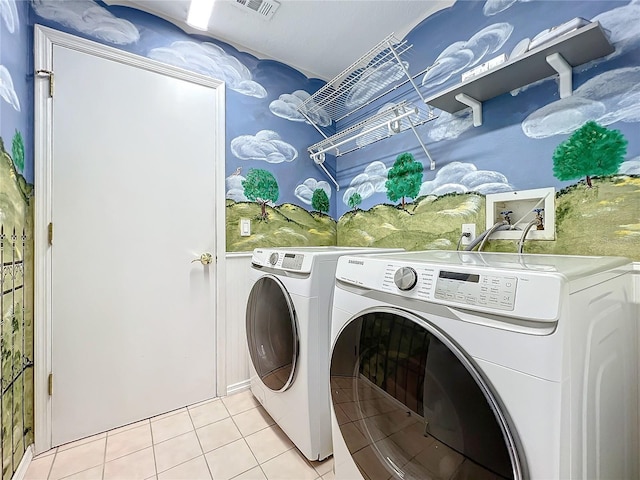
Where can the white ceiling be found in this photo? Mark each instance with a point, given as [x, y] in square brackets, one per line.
[318, 37]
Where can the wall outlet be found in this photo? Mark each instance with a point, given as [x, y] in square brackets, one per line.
[245, 227]
[469, 228]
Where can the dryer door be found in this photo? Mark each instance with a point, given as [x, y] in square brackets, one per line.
[411, 405]
[272, 333]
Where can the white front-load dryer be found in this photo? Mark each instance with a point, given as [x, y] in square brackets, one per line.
[288, 327]
[468, 365]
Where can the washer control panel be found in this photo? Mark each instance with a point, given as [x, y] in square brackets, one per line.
[292, 261]
[495, 291]
[281, 260]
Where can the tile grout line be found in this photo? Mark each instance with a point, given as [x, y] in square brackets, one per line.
[153, 449]
[195, 430]
[52, 462]
[104, 455]
[245, 441]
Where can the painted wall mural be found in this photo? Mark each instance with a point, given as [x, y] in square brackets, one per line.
[523, 135]
[16, 241]
[265, 130]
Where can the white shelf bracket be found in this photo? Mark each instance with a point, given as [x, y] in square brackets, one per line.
[560, 65]
[476, 107]
[318, 159]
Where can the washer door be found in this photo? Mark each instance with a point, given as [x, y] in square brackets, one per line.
[411, 405]
[272, 333]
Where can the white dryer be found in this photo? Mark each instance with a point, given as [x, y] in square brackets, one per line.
[468, 365]
[288, 327]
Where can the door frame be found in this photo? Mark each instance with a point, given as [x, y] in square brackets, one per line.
[44, 40]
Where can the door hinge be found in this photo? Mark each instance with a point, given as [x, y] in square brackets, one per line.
[50, 233]
[50, 388]
[47, 73]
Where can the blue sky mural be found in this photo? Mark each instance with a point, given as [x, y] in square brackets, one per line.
[15, 93]
[513, 148]
[264, 128]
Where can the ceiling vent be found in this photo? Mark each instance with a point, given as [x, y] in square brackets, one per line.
[263, 8]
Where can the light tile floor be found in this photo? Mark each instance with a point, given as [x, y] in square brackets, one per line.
[224, 438]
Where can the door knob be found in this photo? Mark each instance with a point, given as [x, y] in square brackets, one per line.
[204, 259]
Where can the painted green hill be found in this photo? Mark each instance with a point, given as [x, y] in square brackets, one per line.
[288, 225]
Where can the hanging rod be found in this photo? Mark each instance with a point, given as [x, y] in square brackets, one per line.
[384, 124]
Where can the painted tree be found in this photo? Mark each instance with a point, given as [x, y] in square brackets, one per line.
[404, 178]
[354, 201]
[320, 200]
[591, 150]
[17, 151]
[261, 186]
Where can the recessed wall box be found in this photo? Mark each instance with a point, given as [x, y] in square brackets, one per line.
[522, 205]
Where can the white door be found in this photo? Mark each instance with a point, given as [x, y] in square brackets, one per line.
[133, 204]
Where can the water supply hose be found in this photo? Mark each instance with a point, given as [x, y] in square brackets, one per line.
[482, 238]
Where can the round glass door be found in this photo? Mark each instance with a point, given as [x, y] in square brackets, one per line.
[272, 334]
[410, 405]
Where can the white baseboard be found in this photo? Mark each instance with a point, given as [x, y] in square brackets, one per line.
[21, 471]
[238, 387]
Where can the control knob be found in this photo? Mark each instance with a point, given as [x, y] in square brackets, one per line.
[273, 258]
[405, 278]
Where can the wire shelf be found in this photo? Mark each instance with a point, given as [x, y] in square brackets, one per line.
[395, 119]
[354, 87]
[371, 77]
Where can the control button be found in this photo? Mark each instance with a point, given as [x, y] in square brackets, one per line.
[273, 258]
[405, 278]
[509, 285]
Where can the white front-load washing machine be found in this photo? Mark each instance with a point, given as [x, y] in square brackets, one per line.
[468, 365]
[288, 327]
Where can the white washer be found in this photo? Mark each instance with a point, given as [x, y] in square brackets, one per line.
[467, 365]
[288, 327]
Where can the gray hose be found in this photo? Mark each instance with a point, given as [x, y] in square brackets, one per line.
[482, 238]
[531, 224]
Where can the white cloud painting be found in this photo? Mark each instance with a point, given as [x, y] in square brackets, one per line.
[265, 145]
[610, 97]
[461, 56]
[458, 177]
[622, 26]
[630, 167]
[491, 7]
[87, 17]
[449, 125]
[287, 107]
[7, 92]
[375, 81]
[304, 191]
[367, 183]
[235, 190]
[9, 14]
[211, 60]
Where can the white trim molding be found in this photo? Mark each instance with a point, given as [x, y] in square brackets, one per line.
[23, 466]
